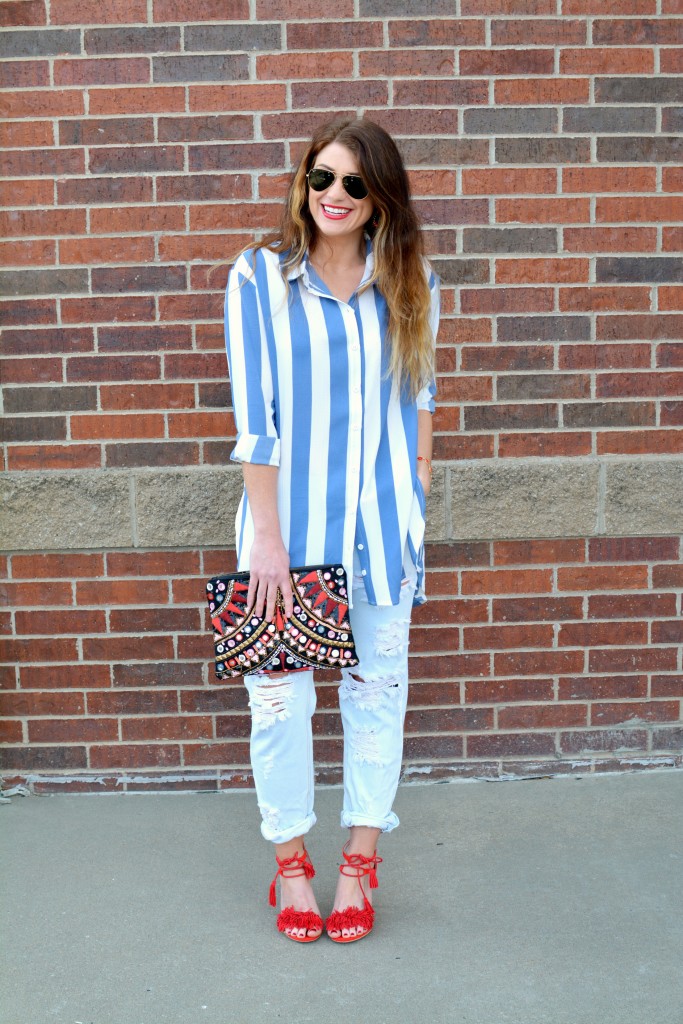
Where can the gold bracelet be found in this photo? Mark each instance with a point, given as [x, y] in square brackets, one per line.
[423, 458]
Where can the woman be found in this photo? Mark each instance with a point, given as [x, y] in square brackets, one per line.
[330, 332]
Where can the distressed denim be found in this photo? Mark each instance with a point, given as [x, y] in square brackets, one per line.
[372, 699]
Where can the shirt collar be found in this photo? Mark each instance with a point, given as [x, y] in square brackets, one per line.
[303, 271]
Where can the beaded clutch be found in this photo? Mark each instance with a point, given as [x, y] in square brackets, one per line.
[318, 635]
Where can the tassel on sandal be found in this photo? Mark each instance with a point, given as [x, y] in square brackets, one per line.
[355, 864]
[290, 867]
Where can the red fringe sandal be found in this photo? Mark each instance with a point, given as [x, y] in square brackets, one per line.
[290, 867]
[354, 917]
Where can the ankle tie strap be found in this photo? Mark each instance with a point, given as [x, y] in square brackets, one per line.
[290, 867]
[358, 866]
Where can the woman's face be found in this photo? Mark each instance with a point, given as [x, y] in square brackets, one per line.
[334, 211]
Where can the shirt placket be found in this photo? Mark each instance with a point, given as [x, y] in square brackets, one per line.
[355, 442]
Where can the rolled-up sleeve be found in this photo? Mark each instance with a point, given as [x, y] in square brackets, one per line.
[425, 398]
[250, 370]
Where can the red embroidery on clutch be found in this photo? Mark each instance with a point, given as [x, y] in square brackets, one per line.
[318, 635]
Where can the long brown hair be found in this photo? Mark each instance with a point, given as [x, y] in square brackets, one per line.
[399, 268]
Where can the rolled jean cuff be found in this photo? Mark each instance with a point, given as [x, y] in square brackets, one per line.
[283, 835]
[387, 824]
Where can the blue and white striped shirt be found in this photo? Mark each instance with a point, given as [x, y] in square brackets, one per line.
[311, 395]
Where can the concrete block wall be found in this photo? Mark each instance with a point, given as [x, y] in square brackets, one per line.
[147, 139]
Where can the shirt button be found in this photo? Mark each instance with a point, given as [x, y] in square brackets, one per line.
[364, 572]
[360, 547]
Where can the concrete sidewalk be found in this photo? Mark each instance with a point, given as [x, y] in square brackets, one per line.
[549, 901]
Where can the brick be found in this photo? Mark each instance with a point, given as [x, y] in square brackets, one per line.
[608, 179]
[237, 156]
[112, 71]
[493, 638]
[604, 739]
[48, 758]
[510, 300]
[539, 386]
[37, 594]
[542, 90]
[559, 270]
[48, 340]
[535, 609]
[54, 457]
[46, 566]
[619, 239]
[407, 62]
[670, 355]
[592, 298]
[134, 755]
[65, 676]
[506, 240]
[152, 563]
[544, 328]
[43, 282]
[69, 622]
[101, 426]
[622, 712]
[534, 211]
[400, 8]
[140, 219]
[237, 97]
[500, 745]
[508, 180]
[661, 149]
[210, 10]
[461, 447]
[448, 152]
[48, 162]
[670, 298]
[106, 367]
[26, 133]
[633, 659]
[510, 121]
[542, 151]
[201, 187]
[506, 581]
[671, 414]
[30, 12]
[18, 193]
[544, 445]
[43, 222]
[152, 338]
[666, 686]
[602, 634]
[592, 688]
[172, 673]
[650, 442]
[633, 31]
[137, 279]
[431, 92]
[105, 12]
[128, 159]
[104, 310]
[42, 103]
[106, 250]
[24, 74]
[42, 704]
[670, 59]
[610, 414]
[434, 32]
[105, 132]
[34, 428]
[650, 268]
[267, 10]
[534, 717]
[137, 100]
[507, 62]
[609, 119]
[672, 239]
[167, 727]
[594, 61]
[614, 577]
[656, 89]
[39, 650]
[539, 663]
[49, 399]
[33, 253]
[200, 68]
[654, 327]
[162, 453]
[43, 42]
[609, 7]
[80, 191]
[201, 424]
[131, 40]
[330, 35]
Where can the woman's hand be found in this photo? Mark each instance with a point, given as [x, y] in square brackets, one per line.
[268, 573]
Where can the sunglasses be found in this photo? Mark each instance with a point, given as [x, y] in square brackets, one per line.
[319, 179]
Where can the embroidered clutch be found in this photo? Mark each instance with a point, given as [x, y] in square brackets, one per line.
[318, 635]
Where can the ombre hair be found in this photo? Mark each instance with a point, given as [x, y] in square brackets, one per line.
[400, 272]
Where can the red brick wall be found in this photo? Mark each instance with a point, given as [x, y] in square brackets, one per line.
[147, 139]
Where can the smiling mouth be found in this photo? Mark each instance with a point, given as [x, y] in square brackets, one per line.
[335, 212]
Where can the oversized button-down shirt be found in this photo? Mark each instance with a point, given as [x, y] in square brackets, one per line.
[312, 396]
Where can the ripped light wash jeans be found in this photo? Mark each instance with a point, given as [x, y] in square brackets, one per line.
[373, 711]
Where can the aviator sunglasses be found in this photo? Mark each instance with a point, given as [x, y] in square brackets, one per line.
[319, 179]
